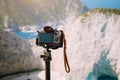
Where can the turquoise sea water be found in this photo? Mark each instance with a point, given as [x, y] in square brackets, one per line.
[26, 35]
[103, 77]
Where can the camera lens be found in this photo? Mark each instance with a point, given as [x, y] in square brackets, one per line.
[48, 29]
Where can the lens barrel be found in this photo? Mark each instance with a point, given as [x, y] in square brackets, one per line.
[48, 29]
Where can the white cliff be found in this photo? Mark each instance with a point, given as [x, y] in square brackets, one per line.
[93, 45]
[16, 54]
[38, 12]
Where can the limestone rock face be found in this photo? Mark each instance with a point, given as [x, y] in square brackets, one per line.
[15, 54]
[38, 12]
[93, 42]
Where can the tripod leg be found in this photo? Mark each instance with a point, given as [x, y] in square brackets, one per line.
[47, 70]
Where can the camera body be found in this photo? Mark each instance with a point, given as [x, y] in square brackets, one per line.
[50, 38]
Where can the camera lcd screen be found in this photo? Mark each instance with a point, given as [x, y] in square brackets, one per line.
[46, 38]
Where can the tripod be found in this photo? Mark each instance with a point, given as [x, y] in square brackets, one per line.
[47, 58]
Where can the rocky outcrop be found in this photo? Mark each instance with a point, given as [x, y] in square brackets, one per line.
[39, 12]
[97, 40]
[92, 46]
[16, 54]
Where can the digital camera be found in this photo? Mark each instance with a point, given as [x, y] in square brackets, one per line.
[50, 38]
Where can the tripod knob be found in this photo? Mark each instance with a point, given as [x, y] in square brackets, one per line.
[42, 56]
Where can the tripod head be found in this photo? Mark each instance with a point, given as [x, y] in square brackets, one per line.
[47, 55]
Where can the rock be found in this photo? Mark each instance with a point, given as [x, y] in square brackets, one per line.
[93, 42]
[94, 46]
[15, 54]
[15, 13]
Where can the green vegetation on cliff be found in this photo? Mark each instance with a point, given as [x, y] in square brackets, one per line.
[106, 10]
[100, 10]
